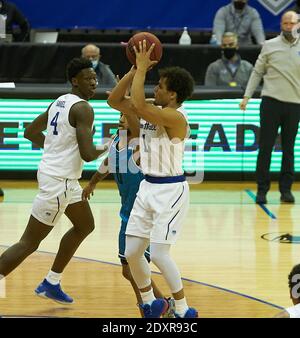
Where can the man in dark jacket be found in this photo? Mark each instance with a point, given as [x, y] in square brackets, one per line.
[105, 76]
[13, 16]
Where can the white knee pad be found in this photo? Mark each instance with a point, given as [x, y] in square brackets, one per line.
[160, 256]
[135, 247]
[139, 267]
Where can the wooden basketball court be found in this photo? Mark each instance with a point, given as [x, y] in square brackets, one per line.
[228, 269]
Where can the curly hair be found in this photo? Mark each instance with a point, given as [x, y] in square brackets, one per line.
[178, 80]
[76, 65]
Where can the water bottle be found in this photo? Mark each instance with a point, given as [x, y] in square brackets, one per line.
[185, 38]
[213, 40]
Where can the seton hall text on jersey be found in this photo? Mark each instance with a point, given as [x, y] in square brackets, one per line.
[147, 126]
[60, 104]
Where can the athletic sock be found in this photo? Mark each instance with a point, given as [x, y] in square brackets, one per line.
[53, 277]
[181, 306]
[148, 297]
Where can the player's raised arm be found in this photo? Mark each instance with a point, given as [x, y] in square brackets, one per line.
[117, 98]
[168, 116]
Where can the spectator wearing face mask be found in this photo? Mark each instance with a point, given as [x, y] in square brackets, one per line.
[238, 17]
[230, 70]
[105, 76]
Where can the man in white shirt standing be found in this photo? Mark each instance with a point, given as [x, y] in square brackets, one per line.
[279, 66]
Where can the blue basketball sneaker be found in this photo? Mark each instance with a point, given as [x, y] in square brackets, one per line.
[54, 292]
[156, 309]
[190, 313]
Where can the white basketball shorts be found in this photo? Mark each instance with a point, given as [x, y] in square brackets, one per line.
[55, 194]
[159, 211]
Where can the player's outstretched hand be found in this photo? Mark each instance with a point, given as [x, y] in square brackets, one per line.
[143, 60]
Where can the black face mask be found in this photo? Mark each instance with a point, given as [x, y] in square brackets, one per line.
[239, 5]
[229, 53]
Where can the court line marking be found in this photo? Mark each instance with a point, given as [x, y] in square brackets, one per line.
[158, 273]
[234, 203]
[262, 206]
[99, 201]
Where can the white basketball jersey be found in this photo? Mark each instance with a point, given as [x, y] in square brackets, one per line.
[294, 311]
[159, 156]
[61, 156]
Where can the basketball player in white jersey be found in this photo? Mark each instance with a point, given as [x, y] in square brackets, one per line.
[68, 142]
[294, 286]
[163, 197]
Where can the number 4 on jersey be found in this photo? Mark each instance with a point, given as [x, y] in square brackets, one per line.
[54, 123]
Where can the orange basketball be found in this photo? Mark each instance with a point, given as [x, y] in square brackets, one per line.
[150, 39]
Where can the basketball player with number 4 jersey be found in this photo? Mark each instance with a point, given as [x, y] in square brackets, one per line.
[68, 142]
[163, 197]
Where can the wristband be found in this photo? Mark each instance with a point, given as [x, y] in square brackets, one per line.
[103, 147]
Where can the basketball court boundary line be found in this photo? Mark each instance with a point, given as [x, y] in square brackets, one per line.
[158, 273]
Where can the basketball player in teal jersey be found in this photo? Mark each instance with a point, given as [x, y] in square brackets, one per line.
[122, 163]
